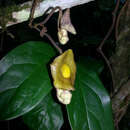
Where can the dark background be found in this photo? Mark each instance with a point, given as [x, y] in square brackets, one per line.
[91, 20]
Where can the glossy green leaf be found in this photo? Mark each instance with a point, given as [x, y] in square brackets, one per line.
[24, 79]
[46, 116]
[90, 108]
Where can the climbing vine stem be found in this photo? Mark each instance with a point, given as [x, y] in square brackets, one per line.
[43, 31]
[99, 49]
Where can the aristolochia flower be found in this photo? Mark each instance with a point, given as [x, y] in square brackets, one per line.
[63, 70]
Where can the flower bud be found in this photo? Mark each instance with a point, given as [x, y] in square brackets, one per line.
[64, 96]
[63, 36]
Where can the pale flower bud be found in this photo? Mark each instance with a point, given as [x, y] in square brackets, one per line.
[64, 96]
[63, 36]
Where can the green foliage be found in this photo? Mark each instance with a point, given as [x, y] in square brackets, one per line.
[90, 107]
[25, 89]
[46, 116]
[24, 79]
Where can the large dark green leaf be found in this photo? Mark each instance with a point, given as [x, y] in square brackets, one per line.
[46, 116]
[24, 79]
[90, 108]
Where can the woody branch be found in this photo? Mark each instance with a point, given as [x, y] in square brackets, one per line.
[42, 6]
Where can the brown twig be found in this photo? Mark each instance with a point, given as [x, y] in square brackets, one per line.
[99, 49]
[34, 4]
[53, 42]
[43, 31]
[51, 13]
[118, 19]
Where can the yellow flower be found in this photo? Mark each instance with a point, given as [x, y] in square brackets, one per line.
[63, 70]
